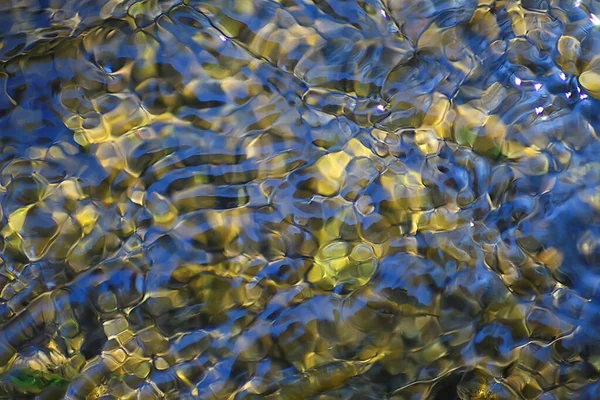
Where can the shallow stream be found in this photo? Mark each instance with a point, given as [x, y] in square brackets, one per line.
[300, 199]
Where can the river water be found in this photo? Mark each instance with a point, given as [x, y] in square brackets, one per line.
[300, 199]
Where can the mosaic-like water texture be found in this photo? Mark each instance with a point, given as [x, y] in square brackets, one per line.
[300, 199]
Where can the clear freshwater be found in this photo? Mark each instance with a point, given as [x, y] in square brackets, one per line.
[300, 199]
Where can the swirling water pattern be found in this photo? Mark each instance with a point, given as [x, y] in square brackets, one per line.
[300, 199]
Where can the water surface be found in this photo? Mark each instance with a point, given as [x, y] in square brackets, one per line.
[298, 199]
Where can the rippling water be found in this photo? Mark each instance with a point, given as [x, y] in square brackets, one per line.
[300, 199]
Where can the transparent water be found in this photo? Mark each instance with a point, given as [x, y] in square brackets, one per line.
[298, 199]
